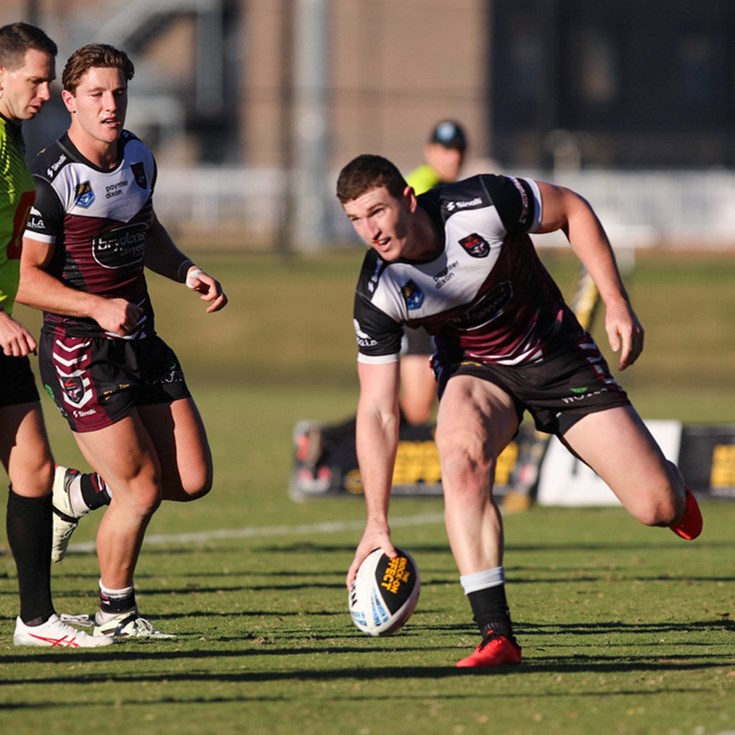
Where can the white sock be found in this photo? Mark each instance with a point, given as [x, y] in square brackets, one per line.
[78, 506]
[111, 594]
[482, 580]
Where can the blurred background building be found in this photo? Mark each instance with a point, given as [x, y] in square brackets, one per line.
[252, 106]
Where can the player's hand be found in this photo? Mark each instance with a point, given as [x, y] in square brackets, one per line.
[15, 339]
[208, 289]
[625, 333]
[375, 537]
[118, 316]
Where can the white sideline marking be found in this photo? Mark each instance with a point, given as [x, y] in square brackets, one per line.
[271, 531]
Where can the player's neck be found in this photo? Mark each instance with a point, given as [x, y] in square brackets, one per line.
[103, 154]
[426, 242]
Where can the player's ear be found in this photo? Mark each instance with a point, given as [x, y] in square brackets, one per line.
[69, 101]
[410, 196]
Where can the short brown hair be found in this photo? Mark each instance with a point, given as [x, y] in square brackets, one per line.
[17, 38]
[368, 172]
[97, 56]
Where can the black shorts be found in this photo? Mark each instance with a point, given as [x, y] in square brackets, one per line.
[557, 391]
[17, 383]
[96, 382]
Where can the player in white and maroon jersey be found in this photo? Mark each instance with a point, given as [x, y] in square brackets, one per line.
[121, 388]
[96, 221]
[27, 68]
[459, 261]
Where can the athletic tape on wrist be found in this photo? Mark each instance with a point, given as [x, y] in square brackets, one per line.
[191, 275]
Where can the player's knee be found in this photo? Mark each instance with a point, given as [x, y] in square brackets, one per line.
[142, 502]
[197, 485]
[465, 468]
[198, 492]
[661, 510]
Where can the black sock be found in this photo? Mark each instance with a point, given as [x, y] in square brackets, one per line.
[117, 601]
[28, 523]
[490, 610]
[94, 491]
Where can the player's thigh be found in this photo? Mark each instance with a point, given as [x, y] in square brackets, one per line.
[125, 455]
[24, 449]
[180, 438]
[618, 446]
[475, 422]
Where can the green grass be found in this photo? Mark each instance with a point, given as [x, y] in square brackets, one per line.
[625, 629]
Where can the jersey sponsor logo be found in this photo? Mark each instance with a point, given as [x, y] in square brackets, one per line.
[581, 396]
[489, 308]
[83, 414]
[445, 275]
[120, 248]
[475, 246]
[84, 196]
[373, 283]
[139, 173]
[467, 204]
[53, 169]
[412, 295]
[35, 220]
[525, 204]
[114, 190]
[363, 338]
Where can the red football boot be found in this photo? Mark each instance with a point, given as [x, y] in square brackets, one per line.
[689, 526]
[493, 650]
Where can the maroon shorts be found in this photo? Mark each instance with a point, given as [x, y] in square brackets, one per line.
[17, 384]
[96, 382]
[557, 391]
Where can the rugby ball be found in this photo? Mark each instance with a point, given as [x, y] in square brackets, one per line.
[384, 593]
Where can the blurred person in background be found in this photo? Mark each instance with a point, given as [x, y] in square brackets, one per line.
[459, 261]
[444, 154]
[90, 236]
[27, 68]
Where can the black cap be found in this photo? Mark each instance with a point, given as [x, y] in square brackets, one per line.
[450, 134]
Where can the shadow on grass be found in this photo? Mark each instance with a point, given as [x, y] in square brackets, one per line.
[302, 643]
[403, 674]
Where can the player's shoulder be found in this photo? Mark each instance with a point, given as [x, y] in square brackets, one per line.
[513, 197]
[130, 139]
[133, 147]
[139, 158]
[49, 161]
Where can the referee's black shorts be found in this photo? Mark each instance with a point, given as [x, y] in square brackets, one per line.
[17, 383]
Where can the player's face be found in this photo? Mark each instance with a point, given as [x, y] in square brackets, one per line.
[23, 91]
[382, 221]
[98, 106]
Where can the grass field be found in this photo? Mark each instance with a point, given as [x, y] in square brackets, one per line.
[625, 629]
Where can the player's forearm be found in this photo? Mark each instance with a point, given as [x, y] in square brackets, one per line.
[377, 444]
[162, 255]
[42, 291]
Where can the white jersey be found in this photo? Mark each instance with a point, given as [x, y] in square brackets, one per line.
[486, 297]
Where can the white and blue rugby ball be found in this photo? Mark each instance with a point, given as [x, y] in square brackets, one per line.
[384, 593]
